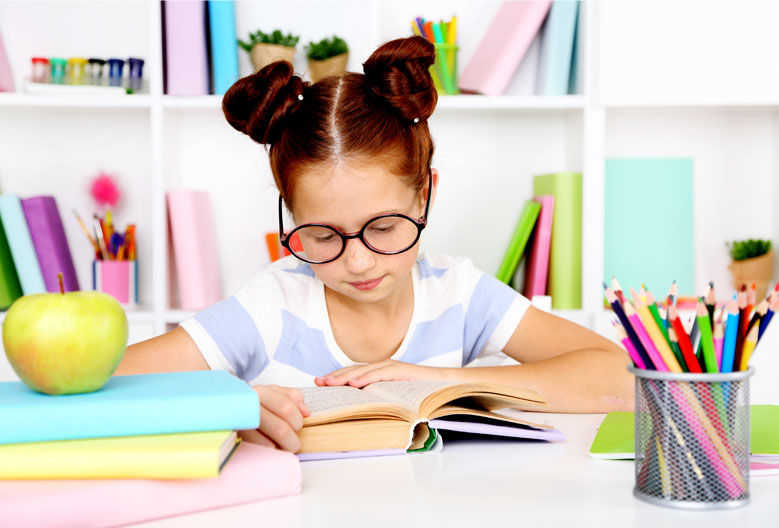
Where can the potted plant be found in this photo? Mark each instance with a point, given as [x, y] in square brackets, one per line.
[265, 48]
[327, 57]
[752, 262]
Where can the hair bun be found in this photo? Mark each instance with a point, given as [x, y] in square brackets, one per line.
[258, 104]
[399, 73]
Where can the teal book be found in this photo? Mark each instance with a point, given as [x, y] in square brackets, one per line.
[20, 243]
[142, 404]
[224, 46]
[648, 223]
[565, 251]
[518, 242]
[557, 46]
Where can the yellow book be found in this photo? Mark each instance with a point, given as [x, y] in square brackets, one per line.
[167, 456]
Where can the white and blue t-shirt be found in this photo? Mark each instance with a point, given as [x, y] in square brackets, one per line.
[276, 330]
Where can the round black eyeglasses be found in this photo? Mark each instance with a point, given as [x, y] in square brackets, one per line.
[388, 234]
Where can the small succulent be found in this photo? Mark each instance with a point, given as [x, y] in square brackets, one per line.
[326, 48]
[746, 249]
[276, 37]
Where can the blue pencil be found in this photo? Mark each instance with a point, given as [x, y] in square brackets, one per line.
[731, 332]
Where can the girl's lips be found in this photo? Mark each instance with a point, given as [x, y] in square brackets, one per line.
[367, 285]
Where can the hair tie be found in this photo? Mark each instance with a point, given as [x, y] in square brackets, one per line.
[416, 120]
[300, 97]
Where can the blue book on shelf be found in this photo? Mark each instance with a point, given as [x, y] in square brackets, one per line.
[224, 46]
[648, 223]
[142, 404]
[20, 242]
[557, 45]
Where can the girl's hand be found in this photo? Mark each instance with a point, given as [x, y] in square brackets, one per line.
[281, 415]
[389, 370]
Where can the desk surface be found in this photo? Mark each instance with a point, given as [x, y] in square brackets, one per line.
[470, 482]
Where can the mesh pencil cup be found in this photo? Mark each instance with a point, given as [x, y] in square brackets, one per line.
[692, 439]
[444, 71]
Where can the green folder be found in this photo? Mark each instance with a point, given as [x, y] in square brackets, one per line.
[10, 287]
[615, 439]
[527, 220]
[565, 251]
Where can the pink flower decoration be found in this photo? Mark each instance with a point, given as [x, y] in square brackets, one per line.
[105, 191]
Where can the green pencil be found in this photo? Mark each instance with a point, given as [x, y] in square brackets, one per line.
[707, 341]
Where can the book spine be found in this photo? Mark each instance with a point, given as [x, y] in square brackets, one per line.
[224, 49]
[50, 242]
[503, 46]
[10, 289]
[557, 48]
[538, 265]
[194, 248]
[6, 78]
[186, 54]
[20, 242]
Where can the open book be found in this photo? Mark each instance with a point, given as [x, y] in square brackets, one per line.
[403, 415]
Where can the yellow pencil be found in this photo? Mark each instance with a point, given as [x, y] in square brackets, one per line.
[749, 347]
[415, 28]
[655, 334]
[451, 36]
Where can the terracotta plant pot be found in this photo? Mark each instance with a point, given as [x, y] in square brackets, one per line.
[320, 69]
[264, 54]
[758, 270]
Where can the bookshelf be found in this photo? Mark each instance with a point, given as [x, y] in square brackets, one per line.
[637, 99]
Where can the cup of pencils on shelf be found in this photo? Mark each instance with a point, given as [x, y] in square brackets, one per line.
[692, 439]
[444, 36]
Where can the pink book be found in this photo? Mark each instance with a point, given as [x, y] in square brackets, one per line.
[503, 46]
[253, 473]
[195, 252]
[6, 78]
[186, 54]
[50, 243]
[538, 264]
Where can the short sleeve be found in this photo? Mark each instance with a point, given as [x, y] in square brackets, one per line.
[229, 339]
[493, 312]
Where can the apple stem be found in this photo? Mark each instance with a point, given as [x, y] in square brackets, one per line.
[62, 284]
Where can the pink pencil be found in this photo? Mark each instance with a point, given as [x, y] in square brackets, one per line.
[643, 336]
[719, 338]
[632, 352]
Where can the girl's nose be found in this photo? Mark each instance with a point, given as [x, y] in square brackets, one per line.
[358, 257]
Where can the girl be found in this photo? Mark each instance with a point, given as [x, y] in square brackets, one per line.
[355, 303]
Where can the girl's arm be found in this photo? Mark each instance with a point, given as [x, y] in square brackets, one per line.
[575, 369]
[173, 351]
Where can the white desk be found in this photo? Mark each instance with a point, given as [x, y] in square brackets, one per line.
[471, 483]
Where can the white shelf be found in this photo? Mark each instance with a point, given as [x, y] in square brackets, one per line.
[22, 100]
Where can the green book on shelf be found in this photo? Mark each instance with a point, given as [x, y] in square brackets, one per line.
[565, 252]
[10, 287]
[651, 244]
[527, 220]
[615, 439]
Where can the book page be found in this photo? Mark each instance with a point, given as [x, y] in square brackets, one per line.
[326, 400]
[410, 394]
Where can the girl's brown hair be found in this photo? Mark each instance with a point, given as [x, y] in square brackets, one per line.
[380, 114]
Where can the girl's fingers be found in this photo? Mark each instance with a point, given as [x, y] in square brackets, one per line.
[295, 395]
[256, 437]
[276, 401]
[279, 431]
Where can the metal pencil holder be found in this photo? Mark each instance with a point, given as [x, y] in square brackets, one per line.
[692, 439]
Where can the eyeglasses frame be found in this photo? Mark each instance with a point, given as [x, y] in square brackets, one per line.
[421, 223]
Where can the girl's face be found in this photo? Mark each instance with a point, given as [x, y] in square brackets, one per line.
[346, 196]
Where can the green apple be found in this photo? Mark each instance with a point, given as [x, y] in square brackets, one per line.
[65, 343]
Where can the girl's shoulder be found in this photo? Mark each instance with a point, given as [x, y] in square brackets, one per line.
[446, 267]
[285, 278]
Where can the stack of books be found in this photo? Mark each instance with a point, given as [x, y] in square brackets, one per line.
[180, 427]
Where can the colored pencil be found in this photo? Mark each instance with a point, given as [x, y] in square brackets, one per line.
[731, 336]
[611, 297]
[749, 347]
[676, 349]
[655, 334]
[773, 305]
[452, 31]
[719, 336]
[684, 341]
[743, 322]
[631, 350]
[707, 342]
[661, 323]
[673, 293]
[711, 302]
[617, 289]
[646, 341]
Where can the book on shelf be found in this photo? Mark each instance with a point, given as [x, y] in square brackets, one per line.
[195, 253]
[647, 248]
[6, 77]
[615, 439]
[253, 473]
[185, 50]
[503, 47]
[538, 262]
[17, 232]
[401, 416]
[10, 288]
[140, 404]
[167, 456]
[50, 243]
[518, 241]
[564, 282]
[222, 39]
[557, 45]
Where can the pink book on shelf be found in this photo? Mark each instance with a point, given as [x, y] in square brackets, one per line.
[538, 265]
[50, 243]
[503, 46]
[253, 473]
[193, 239]
[186, 53]
[6, 78]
